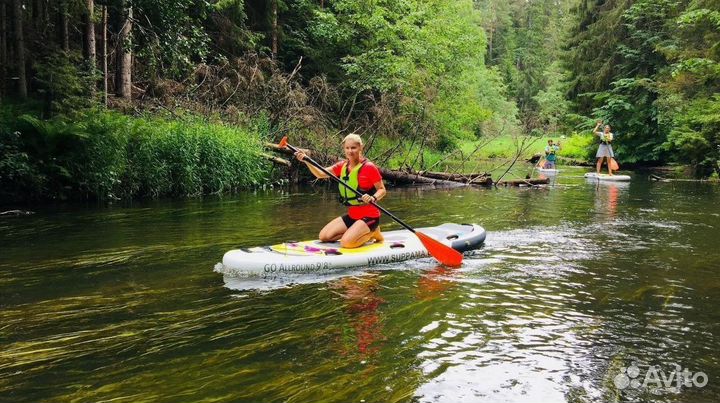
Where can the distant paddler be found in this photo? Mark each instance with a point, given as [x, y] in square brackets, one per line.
[362, 221]
[551, 151]
[605, 150]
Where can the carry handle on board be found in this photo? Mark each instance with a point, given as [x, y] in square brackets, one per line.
[443, 253]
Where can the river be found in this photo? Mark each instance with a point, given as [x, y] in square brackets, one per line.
[583, 292]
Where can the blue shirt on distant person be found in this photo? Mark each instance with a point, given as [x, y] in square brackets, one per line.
[551, 155]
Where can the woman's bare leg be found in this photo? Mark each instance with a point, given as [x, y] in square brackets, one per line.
[333, 230]
[598, 165]
[356, 235]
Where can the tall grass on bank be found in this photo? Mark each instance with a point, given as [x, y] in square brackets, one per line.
[106, 155]
[578, 146]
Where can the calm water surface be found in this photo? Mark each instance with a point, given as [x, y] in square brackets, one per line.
[582, 293]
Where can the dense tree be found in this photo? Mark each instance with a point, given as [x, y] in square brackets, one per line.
[647, 67]
[20, 48]
[3, 47]
[430, 72]
[689, 102]
[525, 38]
[123, 72]
[89, 45]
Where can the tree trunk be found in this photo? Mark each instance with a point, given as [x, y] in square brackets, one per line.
[46, 14]
[123, 76]
[3, 48]
[90, 53]
[105, 55]
[400, 177]
[464, 178]
[274, 29]
[20, 48]
[524, 182]
[64, 29]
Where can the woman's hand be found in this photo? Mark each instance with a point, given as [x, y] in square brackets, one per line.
[300, 155]
[367, 198]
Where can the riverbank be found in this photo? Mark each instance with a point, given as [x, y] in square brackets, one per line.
[98, 154]
[105, 155]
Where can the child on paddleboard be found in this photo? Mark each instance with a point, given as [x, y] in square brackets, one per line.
[551, 154]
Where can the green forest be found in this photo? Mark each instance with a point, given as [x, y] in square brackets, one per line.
[121, 99]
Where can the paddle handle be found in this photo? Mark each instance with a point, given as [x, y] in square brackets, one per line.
[338, 180]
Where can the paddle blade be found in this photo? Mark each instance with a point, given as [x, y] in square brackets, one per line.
[443, 253]
[614, 165]
[283, 142]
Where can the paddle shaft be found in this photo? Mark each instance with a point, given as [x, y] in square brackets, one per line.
[338, 180]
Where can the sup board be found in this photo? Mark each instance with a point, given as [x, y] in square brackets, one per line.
[606, 177]
[317, 257]
[547, 171]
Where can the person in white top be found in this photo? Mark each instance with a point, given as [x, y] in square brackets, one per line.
[605, 150]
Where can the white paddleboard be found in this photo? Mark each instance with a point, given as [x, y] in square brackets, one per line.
[606, 177]
[548, 171]
[318, 257]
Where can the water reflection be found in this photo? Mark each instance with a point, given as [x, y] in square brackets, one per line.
[362, 305]
[607, 198]
[435, 282]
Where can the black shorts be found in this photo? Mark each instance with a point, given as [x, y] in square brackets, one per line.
[372, 222]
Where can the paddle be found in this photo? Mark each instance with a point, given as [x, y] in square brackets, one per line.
[443, 253]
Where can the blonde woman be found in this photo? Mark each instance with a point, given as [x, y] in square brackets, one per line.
[605, 150]
[362, 221]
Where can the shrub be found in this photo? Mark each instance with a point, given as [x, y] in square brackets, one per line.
[107, 155]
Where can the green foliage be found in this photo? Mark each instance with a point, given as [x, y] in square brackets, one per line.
[617, 65]
[579, 146]
[525, 38]
[65, 82]
[551, 102]
[169, 36]
[695, 137]
[630, 109]
[428, 55]
[106, 155]
[689, 102]
[17, 171]
[430, 74]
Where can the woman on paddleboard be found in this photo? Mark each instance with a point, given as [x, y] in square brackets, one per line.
[362, 221]
[605, 150]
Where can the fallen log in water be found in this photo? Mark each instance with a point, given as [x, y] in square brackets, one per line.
[407, 178]
[16, 212]
[399, 177]
[464, 178]
[663, 179]
[524, 182]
